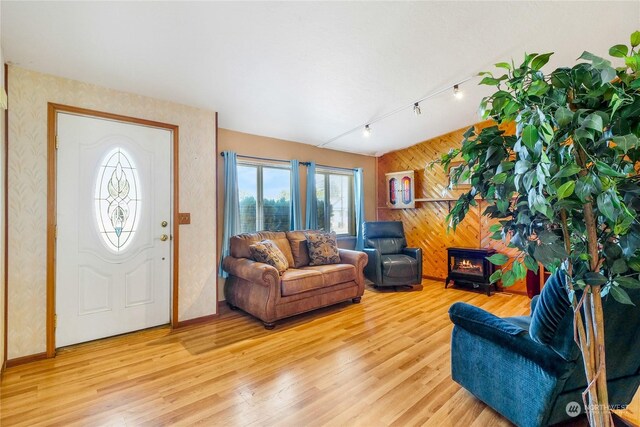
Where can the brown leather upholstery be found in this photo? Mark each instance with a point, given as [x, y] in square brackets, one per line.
[334, 273]
[298, 281]
[258, 289]
[299, 250]
[239, 245]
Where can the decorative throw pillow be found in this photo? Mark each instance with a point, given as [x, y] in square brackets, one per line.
[267, 251]
[323, 248]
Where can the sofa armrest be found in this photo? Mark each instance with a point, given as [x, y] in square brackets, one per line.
[252, 271]
[507, 336]
[357, 259]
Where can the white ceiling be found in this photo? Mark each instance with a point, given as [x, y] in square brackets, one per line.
[308, 71]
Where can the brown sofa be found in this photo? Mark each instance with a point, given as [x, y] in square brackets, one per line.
[259, 290]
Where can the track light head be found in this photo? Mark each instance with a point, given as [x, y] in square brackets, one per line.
[416, 109]
[366, 131]
[457, 92]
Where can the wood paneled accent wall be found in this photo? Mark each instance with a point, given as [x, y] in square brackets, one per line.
[425, 226]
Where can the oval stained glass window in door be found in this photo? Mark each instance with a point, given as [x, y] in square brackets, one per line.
[117, 199]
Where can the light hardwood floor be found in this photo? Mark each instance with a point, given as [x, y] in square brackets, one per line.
[382, 362]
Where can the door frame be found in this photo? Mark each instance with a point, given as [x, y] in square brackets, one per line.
[52, 159]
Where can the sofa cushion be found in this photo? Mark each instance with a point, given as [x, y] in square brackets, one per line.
[267, 252]
[294, 281]
[399, 266]
[333, 274]
[323, 248]
[239, 244]
[299, 250]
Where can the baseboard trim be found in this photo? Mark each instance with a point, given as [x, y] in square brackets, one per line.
[26, 359]
[196, 321]
[439, 279]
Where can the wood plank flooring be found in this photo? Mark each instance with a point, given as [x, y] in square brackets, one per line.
[384, 362]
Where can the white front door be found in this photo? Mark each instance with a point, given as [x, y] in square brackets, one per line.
[113, 246]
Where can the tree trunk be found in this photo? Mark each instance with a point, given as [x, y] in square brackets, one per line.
[599, 412]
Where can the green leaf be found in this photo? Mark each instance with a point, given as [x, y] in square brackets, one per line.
[497, 275]
[585, 187]
[530, 136]
[635, 38]
[495, 227]
[634, 263]
[508, 278]
[608, 170]
[489, 81]
[620, 295]
[612, 251]
[498, 259]
[605, 206]
[619, 51]
[547, 132]
[594, 279]
[593, 121]
[628, 282]
[626, 142]
[568, 170]
[540, 60]
[619, 266]
[633, 62]
[560, 78]
[519, 270]
[531, 263]
[500, 178]
[566, 190]
[504, 65]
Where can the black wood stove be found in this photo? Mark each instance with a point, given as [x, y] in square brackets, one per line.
[468, 267]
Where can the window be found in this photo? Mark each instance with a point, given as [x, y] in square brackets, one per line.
[265, 198]
[116, 199]
[336, 208]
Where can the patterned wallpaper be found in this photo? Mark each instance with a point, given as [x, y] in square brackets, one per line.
[29, 93]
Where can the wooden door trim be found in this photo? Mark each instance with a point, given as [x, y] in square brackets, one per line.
[52, 123]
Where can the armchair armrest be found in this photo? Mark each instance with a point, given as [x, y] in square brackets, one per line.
[415, 253]
[252, 271]
[373, 270]
[534, 303]
[507, 336]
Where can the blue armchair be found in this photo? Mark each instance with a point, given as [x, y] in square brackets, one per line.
[529, 368]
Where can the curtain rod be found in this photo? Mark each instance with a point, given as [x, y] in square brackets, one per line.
[258, 158]
[287, 161]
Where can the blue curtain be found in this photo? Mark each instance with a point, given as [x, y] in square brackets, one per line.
[231, 225]
[295, 211]
[311, 216]
[358, 182]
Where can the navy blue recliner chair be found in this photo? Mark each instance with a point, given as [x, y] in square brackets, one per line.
[391, 262]
[529, 368]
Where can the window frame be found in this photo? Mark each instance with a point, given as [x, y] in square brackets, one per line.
[327, 172]
[260, 188]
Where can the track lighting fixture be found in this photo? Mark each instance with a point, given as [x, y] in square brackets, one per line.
[366, 131]
[457, 92]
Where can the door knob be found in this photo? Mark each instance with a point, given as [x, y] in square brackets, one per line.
[164, 237]
[164, 223]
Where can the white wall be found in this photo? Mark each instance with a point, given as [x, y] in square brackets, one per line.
[30, 92]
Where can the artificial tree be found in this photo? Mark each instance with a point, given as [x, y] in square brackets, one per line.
[565, 188]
